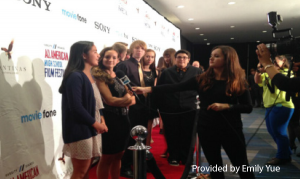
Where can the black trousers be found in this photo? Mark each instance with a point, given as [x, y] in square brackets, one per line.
[256, 95]
[178, 132]
[136, 117]
[233, 143]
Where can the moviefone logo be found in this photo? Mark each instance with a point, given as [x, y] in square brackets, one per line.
[37, 116]
[29, 174]
[102, 27]
[121, 34]
[38, 3]
[74, 16]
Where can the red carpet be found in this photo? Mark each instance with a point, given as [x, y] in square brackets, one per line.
[158, 147]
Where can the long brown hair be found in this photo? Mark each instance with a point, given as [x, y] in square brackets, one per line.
[160, 63]
[171, 52]
[233, 73]
[152, 66]
[99, 72]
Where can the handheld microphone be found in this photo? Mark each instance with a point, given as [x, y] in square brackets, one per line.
[125, 81]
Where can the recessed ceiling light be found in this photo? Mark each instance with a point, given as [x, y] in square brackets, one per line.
[231, 3]
[232, 26]
[190, 19]
[205, 39]
[181, 6]
[231, 38]
[258, 41]
[264, 31]
[201, 34]
[197, 28]
[208, 43]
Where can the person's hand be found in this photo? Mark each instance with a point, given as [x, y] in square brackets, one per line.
[130, 93]
[260, 68]
[218, 106]
[100, 128]
[141, 90]
[105, 127]
[263, 54]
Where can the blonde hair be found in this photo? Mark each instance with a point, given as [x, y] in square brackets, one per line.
[122, 43]
[281, 58]
[152, 66]
[119, 48]
[137, 43]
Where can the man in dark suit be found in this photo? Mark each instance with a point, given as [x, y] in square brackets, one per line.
[178, 109]
[132, 68]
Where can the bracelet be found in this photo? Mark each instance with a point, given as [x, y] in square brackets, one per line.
[268, 66]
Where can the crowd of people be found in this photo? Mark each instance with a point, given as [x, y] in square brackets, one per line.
[98, 110]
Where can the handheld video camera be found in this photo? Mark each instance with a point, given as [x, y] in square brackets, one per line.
[286, 44]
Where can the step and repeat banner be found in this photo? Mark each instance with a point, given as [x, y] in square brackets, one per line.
[35, 40]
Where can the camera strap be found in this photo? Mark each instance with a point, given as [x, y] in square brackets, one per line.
[270, 86]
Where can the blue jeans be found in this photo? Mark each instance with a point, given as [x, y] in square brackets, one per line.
[277, 120]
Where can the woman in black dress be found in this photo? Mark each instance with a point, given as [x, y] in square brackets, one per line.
[150, 78]
[116, 99]
[224, 96]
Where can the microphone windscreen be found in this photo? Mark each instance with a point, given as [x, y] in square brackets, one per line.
[120, 74]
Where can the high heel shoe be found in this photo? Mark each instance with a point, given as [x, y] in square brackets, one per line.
[294, 148]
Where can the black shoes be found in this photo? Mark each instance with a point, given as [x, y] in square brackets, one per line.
[126, 173]
[174, 163]
[294, 148]
[278, 161]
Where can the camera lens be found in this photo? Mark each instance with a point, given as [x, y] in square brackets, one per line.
[272, 48]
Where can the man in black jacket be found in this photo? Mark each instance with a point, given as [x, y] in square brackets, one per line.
[131, 68]
[178, 109]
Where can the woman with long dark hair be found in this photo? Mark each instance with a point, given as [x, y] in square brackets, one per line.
[224, 96]
[81, 120]
[116, 100]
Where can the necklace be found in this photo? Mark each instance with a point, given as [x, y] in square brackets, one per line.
[148, 78]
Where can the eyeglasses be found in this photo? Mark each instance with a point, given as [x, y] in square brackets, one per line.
[180, 57]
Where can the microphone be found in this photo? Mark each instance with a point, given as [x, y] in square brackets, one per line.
[125, 81]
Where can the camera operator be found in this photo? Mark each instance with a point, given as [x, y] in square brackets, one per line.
[278, 110]
[282, 82]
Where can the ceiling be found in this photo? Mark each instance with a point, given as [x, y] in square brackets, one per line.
[215, 18]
